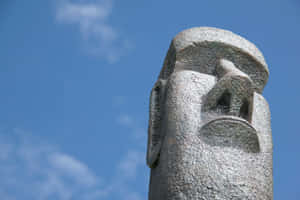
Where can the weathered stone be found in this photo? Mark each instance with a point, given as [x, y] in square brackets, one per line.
[209, 128]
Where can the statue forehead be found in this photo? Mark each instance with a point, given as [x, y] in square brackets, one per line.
[201, 48]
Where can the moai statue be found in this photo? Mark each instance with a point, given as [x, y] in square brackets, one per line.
[209, 128]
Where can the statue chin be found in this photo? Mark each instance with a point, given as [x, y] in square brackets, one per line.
[230, 132]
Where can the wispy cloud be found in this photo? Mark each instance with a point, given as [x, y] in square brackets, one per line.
[37, 170]
[129, 166]
[125, 120]
[138, 132]
[135, 159]
[66, 165]
[91, 17]
[130, 163]
[126, 173]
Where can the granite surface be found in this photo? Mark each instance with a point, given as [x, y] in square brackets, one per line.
[209, 131]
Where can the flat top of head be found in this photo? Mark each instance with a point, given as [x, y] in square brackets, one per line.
[203, 47]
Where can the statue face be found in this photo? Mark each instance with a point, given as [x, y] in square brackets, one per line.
[209, 135]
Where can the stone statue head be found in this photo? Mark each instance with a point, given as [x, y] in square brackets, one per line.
[209, 131]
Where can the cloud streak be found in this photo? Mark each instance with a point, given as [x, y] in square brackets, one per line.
[67, 165]
[91, 18]
[128, 166]
[138, 133]
[33, 169]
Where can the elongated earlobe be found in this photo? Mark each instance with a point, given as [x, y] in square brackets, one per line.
[155, 120]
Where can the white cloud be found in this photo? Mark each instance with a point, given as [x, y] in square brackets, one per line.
[36, 170]
[129, 165]
[91, 17]
[138, 133]
[53, 186]
[126, 173]
[73, 168]
[125, 120]
[83, 12]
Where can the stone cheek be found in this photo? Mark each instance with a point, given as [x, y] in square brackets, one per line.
[190, 166]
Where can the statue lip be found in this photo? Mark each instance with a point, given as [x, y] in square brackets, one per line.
[230, 118]
[232, 132]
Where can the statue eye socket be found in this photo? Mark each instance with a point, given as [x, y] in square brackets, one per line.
[244, 110]
[223, 104]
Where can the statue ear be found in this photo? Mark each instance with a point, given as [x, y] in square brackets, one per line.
[155, 120]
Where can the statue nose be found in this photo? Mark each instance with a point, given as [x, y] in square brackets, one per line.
[232, 94]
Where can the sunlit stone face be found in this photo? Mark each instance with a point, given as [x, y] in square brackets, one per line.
[209, 127]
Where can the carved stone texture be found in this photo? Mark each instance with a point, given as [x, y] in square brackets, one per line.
[209, 129]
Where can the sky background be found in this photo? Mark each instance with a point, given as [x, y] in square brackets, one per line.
[75, 79]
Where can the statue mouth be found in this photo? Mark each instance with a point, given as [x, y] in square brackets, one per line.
[230, 132]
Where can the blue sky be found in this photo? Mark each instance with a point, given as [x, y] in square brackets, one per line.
[75, 81]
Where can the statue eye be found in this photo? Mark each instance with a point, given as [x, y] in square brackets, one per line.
[244, 110]
[223, 104]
